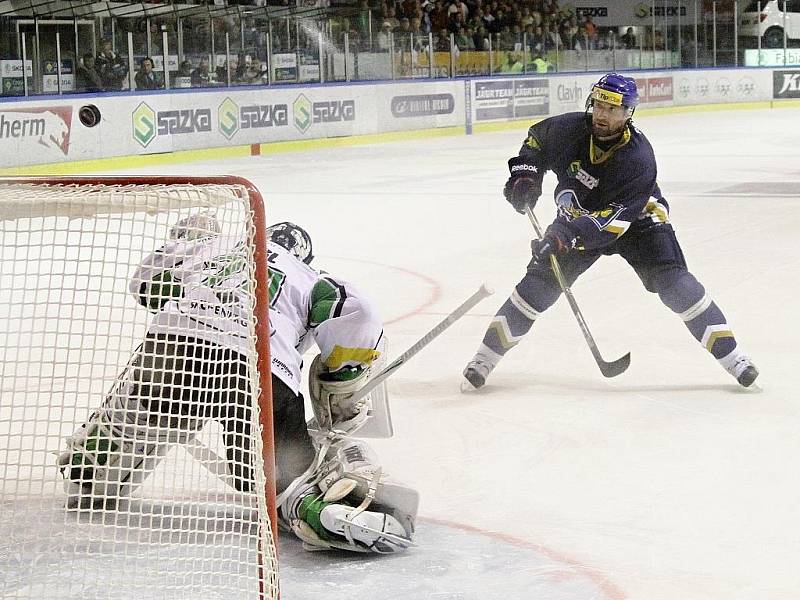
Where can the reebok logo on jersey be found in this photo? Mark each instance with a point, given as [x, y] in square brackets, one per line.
[524, 167]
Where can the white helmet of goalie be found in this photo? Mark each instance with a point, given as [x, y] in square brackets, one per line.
[194, 227]
[292, 238]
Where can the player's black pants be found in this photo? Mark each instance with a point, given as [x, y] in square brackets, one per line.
[182, 382]
[651, 249]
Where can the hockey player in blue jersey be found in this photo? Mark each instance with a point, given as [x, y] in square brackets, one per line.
[608, 202]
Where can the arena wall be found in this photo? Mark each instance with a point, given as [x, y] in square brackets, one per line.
[50, 132]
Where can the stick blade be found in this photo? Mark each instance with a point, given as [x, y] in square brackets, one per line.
[614, 368]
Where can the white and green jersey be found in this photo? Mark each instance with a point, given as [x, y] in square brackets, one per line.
[306, 307]
[200, 289]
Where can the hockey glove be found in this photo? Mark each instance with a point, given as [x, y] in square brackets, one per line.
[558, 239]
[524, 186]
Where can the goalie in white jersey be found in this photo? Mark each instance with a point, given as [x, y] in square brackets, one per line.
[194, 365]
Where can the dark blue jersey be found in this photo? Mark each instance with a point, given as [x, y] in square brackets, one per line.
[600, 193]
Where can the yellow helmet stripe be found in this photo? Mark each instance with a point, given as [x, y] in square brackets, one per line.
[606, 96]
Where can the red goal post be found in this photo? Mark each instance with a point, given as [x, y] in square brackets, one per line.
[121, 203]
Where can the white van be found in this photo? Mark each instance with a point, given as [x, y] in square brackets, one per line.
[768, 18]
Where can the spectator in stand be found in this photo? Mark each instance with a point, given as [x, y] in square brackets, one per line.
[512, 63]
[145, 77]
[488, 19]
[183, 76]
[354, 40]
[581, 40]
[391, 16]
[442, 41]
[607, 40]
[481, 38]
[409, 7]
[537, 40]
[420, 37]
[540, 64]
[457, 22]
[110, 66]
[405, 28]
[464, 40]
[554, 38]
[526, 18]
[569, 32]
[628, 39]
[384, 37]
[424, 21]
[201, 76]
[439, 17]
[254, 74]
[87, 79]
[591, 28]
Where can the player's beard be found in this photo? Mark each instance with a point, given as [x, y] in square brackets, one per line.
[603, 131]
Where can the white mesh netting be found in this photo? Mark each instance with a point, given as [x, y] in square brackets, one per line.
[147, 363]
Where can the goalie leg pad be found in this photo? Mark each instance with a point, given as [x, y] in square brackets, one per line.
[354, 463]
[349, 503]
[124, 440]
[100, 464]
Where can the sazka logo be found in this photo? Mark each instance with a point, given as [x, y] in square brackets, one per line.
[302, 113]
[228, 118]
[144, 124]
[642, 10]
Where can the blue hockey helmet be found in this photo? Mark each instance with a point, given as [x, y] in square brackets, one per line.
[292, 238]
[615, 89]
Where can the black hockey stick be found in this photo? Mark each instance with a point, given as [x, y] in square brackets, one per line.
[608, 369]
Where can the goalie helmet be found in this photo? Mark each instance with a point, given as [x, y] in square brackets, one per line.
[614, 89]
[293, 238]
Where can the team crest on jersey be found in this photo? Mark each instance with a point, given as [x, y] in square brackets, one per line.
[568, 205]
[575, 171]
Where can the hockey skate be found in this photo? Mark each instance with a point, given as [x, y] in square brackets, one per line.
[476, 372]
[741, 367]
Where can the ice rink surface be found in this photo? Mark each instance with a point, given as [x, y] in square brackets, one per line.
[668, 482]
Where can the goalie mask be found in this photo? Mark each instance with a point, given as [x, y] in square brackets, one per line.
[292, 238]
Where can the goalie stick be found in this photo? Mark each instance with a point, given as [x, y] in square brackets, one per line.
[464, 308]
[608, 369]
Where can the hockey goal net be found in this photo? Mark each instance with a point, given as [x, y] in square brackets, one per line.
[71, 336]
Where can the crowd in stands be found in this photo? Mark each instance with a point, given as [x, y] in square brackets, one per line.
[373, 26]
[542, 23]
[108, 72]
